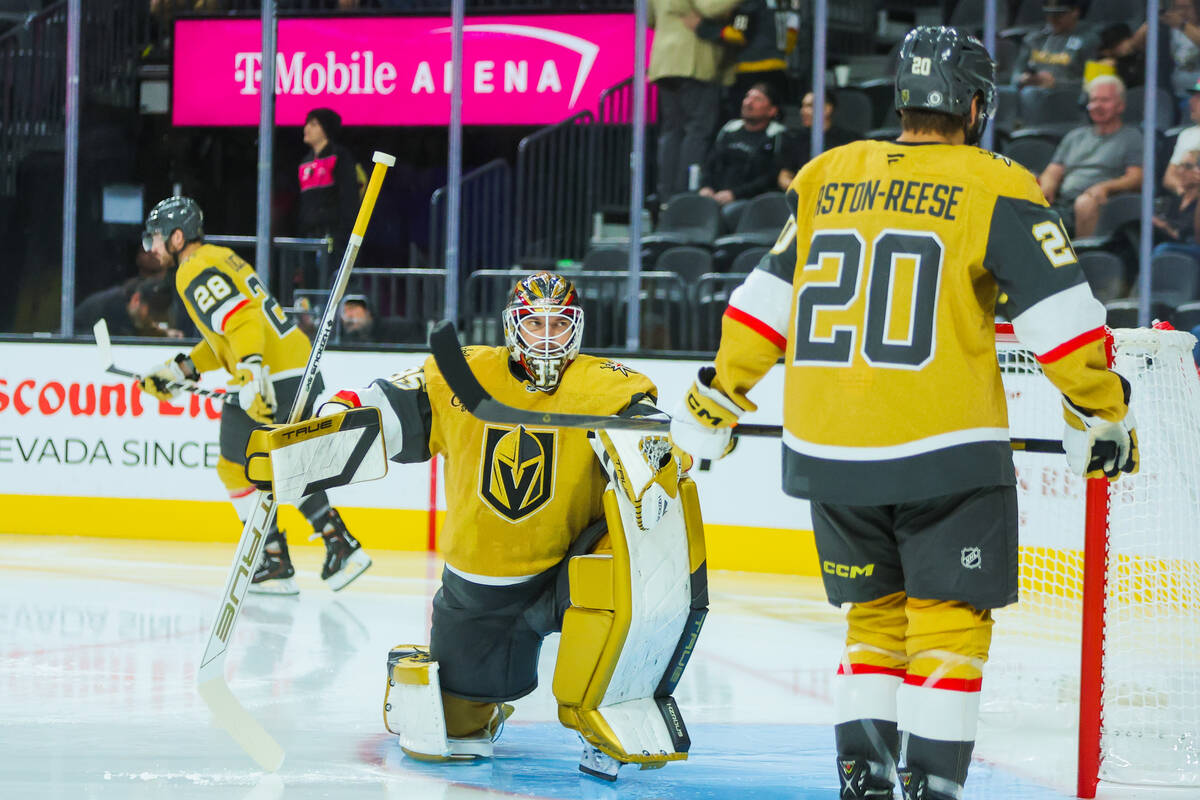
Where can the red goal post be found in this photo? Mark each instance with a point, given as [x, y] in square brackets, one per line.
[1109, 617]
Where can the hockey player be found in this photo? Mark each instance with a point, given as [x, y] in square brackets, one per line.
[880, 295]
[245, 332]
[534, 543]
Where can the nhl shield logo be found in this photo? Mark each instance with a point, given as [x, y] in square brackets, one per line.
[972, 558]
[517, 475]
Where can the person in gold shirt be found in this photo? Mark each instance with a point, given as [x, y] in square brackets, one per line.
[244, 332]
[529, 517]
[880, 295]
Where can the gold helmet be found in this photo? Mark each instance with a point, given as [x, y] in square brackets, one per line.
[543, 327]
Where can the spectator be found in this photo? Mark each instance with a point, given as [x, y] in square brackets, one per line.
[1055, 54]
[797, 144]
[137, 307]
[686, 71]
[1184, 42]
[1094, 162]
[743, 160]
[1188, 140]
[359, 324]
[328, 181]
[1175, 215]
[751, 36]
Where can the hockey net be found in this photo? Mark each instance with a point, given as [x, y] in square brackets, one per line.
[1111, 654]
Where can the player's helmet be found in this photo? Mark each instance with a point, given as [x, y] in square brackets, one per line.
[942, 69]
[174, 212]
[543, 327]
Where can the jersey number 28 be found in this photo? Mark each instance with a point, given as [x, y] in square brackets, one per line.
[872, 335]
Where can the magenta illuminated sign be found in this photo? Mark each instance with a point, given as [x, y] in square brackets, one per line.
[396, 71]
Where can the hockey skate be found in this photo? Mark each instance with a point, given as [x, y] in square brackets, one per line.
[345, 559]
[863, 779]
[275, 574]
[597, 763]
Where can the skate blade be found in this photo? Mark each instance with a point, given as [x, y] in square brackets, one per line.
[453, 758]
[611, 777]
[275, 586]
[355, 565]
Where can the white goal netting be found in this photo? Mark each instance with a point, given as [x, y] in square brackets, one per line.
[1150, 731]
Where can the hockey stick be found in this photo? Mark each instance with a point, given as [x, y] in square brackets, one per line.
[447, 353]
[104, 345]
[210, 675]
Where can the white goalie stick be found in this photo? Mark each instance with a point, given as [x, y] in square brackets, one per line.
[447, 353]
[210, 675]
[104, 345]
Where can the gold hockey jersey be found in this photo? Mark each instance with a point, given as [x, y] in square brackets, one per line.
[236, 315]
[880, 296]
[516, 496]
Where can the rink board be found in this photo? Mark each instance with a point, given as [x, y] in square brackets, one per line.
[85, 453]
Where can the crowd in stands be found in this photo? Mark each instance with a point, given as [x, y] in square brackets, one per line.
[1070, 110]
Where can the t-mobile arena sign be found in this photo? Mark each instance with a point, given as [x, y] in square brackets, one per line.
[396, 71]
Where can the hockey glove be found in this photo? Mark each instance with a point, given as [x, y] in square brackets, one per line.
[168, 381]
[1096, 447]
[703, 423]
[256, 395]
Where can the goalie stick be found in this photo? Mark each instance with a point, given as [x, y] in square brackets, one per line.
[104, 345]
[210, 675]
[447, 353]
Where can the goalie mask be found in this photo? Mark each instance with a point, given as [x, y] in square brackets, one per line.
[543, 327]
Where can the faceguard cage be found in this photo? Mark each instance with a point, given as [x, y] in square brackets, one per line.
[543, 327]
[174, 212]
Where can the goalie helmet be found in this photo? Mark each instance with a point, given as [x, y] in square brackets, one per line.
[174, 212]
[942, 69]
[543, 327]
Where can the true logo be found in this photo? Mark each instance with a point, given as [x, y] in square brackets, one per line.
[517, 475]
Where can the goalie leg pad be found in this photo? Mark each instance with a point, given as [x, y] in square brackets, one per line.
[629, 632]
[413, 710]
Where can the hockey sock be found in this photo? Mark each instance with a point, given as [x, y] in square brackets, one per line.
[315, 509]
[944, 764]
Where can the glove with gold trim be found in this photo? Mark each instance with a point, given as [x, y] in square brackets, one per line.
[167, 382]
[703, 423]
[252, 383]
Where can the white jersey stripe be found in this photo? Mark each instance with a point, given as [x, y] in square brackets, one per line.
[1059, 318]
[889, 452]
[491, 580]
[224, 311]
[767, 298]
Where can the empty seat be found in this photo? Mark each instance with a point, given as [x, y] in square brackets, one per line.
[1173, 278]
[882, 93]
[854, 111]
[688, 219]
[1105, 273]
[759, 225]
[685, 261]
[1186, 316]
[1031, 152]
[1124, 313]
[1060, 104]
[606, 257]
[1135, 103]
[1007, 108]
[748, 259]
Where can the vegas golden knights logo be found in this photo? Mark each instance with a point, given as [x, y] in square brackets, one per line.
[518, 470]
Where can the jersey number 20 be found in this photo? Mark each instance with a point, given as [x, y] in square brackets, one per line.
[913, 348]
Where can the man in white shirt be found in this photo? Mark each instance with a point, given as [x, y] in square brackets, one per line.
[1187, 141]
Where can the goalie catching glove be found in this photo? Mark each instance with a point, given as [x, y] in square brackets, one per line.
[293, 461]
[251, 383]
[168, 381]
[1096, 447]
[703, 423]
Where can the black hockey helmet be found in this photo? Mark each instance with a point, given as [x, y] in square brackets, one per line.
[174, 212]
[941, 69]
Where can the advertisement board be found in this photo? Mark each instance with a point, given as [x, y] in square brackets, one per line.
[517, 70]
[85, 452]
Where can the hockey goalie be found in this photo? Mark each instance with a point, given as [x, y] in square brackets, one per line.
[597, 536]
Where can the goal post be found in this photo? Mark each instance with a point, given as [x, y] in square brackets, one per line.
[1107, 629]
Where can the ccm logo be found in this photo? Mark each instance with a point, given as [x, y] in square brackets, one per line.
[316, 426]
[848, 571]
[701, 412]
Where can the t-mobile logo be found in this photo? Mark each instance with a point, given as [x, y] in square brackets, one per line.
[295, 74]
